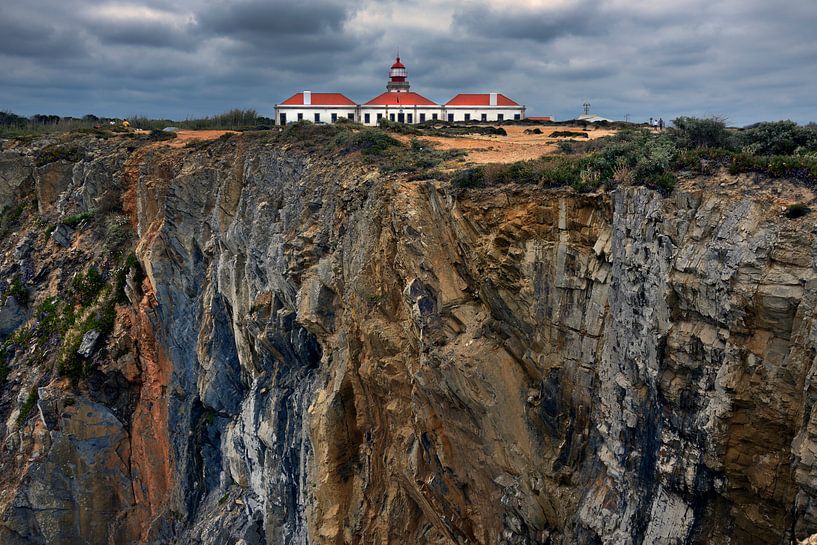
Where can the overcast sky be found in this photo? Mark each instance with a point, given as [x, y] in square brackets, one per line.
[748, 60]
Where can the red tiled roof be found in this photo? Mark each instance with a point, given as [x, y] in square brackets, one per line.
[540, 118]
[319, 99]
[479, 99]
[390, 98]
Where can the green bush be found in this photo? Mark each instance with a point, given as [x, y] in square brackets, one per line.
[569, 134]
[4, 368]
[9, 217]
[76, 219]
[28, 405]
[58, 152]
[17, 289]
[797, 210]
[368, 141]
[469, 177]
[393, 126]
[778, 138]
[85, 287]
[693, 132]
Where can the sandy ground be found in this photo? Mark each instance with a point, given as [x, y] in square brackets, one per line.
[516, 146]
[185, 137]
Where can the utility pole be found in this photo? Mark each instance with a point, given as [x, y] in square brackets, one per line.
[586, 107]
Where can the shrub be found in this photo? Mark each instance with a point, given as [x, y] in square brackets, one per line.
[9, 218]
[393, 126]
[568, 134]
[692, 132]
[54, 316]
[58, 152]
[369, 141]
[28, 405]
[85, 287]
[17, 290]
[470, 177]
[778, 138]
[76, 219]
[797, 210]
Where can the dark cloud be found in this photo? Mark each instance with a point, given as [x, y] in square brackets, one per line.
[257, 18]
[582, 17]
[745, 59]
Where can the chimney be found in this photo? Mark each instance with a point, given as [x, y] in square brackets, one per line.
[493, 99]
[307, 98]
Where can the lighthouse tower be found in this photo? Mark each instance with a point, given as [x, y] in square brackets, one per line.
[398, 82]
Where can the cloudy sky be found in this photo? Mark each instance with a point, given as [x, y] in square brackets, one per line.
[747, 60]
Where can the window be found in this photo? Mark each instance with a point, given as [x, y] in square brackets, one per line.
[351, 116]
[410, 118]
[517, 116]
[317, 118]
[450, 117]
[422, 118]
[283, 118]
[484, 117]
[434, 117]
[391, 117]
[500, 117]
[468, 117]
[334, 117]
[366, 118]
[379, 117]
[300, 116]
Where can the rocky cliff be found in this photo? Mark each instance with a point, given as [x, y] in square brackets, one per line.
[307, 350]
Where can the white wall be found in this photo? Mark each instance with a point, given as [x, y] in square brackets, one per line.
[415, 111]
[492, 112]
[308, 113]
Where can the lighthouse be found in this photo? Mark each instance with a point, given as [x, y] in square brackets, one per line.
[398, 104]
[398, 79]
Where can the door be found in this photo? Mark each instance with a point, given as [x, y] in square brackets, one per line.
[283, 118]
[401, 118]
[451, 117]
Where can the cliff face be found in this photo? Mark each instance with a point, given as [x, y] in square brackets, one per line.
[319, 353]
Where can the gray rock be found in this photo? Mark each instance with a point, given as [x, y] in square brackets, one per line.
[62, 235]
[16, 175]
[12, 316]
[88, 344]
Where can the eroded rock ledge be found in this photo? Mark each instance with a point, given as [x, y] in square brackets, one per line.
[322, 354]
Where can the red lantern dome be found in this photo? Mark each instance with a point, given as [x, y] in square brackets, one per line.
[398, 77]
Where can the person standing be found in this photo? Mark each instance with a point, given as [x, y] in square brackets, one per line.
[660, 123]
[652, 123]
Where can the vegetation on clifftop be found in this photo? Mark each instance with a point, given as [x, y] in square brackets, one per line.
[640, 156]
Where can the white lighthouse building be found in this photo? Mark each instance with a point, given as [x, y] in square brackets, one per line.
[398, 104]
